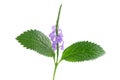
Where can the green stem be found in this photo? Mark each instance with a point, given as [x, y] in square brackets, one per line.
[56, 62]
[56, 65]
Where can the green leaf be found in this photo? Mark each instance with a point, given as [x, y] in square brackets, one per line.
[82, 51]
[37, 41]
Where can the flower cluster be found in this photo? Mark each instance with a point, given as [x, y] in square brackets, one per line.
[56, 39]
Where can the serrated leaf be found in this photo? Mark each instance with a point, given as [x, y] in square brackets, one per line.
[82, 51]
[37, 41]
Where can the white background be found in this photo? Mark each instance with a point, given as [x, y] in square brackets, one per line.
[93, 20]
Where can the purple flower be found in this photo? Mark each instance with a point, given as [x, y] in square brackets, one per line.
[56, 38]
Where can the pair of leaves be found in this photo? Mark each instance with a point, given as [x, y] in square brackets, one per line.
[80, 51]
